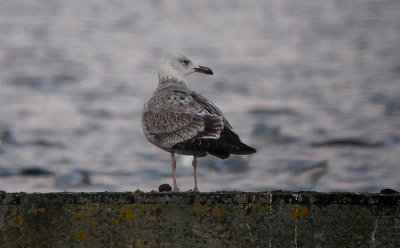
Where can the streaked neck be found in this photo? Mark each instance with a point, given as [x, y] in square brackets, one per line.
[166, 81]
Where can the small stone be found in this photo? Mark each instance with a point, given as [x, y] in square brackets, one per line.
[164, 188]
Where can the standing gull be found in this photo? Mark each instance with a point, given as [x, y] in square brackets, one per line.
[182, 121]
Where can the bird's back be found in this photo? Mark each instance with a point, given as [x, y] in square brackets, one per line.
[171, 116]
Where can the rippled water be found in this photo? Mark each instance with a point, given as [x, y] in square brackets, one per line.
[314, 86]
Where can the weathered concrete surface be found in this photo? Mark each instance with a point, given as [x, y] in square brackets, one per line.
[221, 219]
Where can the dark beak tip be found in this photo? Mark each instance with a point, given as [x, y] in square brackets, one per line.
[203, 69]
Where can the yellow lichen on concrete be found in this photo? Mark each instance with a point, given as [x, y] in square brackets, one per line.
[85, 211]
[217, 212]
[299, 211]
[149, 244]
[126, 212]
[80, 235]
[93, 223]
[78, 215]
[18, 220]
[202, 209]
[25, 236]
[261, 205]
[140, 206]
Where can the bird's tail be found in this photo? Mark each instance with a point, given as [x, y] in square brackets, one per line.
[230, 143]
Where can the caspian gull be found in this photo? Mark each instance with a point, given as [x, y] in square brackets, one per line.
[182, 121]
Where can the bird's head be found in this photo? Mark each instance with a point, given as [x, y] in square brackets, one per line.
[177, 65]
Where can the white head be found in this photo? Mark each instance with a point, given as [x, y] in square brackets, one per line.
[175, 66]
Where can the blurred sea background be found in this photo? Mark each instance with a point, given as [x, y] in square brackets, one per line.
[313, 85]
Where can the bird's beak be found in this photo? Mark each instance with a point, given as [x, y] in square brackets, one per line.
[203, 69]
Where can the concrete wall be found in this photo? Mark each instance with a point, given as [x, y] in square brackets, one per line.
[221, 219]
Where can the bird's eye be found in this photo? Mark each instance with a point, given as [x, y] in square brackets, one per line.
[185, 62]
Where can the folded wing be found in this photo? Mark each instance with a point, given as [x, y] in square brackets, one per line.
[187, 121]
[172, 117]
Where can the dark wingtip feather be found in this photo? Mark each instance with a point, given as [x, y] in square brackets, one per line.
[228, 143]
[244, 149]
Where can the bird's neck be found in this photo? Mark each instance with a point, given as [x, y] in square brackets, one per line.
[170, 80]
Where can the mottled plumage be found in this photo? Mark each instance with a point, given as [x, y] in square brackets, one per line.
[182, 121]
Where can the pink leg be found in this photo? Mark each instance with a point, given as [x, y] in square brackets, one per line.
[194, 163]
[173, 165]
